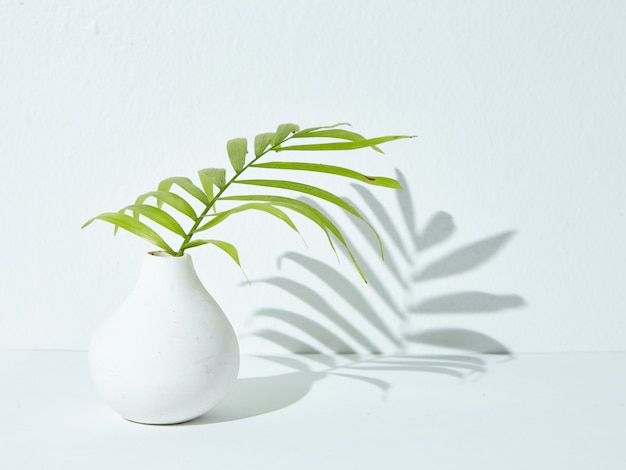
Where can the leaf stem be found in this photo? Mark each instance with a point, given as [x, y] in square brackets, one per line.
[198, 221]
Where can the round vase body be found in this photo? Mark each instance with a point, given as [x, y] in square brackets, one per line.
[168, 354]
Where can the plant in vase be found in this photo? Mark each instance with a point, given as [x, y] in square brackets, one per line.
[169, 354]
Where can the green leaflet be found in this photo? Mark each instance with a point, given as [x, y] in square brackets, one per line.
[315, 192]
[210, 176]
[290, 203]
[335, 134]
[330, 133]
[312, 129]
[171, 199]
[157, 215]
[207, 184]
[237, 150]
[133, 226]
[265, 207]
[309, 212]
[115, 227]
[283, 131]
[261, 142]
[344, 145]
[306, 189]
[186, 184]
[228, 248]
[332, 170]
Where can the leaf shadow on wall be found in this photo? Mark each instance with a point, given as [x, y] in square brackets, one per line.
[329, 344]
[400, 276]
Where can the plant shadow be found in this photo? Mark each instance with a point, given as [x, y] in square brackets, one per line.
[343, 330]
[256, 396]
[344, 318]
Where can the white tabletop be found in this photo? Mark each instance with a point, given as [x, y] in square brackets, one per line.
[333, 412]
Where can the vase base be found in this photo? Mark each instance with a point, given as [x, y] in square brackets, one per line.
[172, 423]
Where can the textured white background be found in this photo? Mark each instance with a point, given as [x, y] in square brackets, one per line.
[520, 110]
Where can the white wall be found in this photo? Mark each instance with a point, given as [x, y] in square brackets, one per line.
[520, 112]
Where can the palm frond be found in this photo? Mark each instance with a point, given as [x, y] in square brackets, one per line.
[213, 186]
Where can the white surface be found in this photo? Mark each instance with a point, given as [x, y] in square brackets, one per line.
[533, 411]
[519, 108]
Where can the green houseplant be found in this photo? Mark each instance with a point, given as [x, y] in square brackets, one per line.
[169, 354]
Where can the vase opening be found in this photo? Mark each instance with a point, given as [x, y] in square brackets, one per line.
[163, 254]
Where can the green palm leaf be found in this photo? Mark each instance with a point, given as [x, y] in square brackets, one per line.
[265, 207]
[171, 199]
[325, 138]
[261, 142]
[237, 150]
[207, 186]
[157, 215]
[343, 145]
[293, 204]
[228, 248]
[283, 131]
[332, 170]
[133, 226]
[315, 192]
[312, 129]
[309, 212]
[306, 189]
[210, 176]
[186, 184]
[334, 134]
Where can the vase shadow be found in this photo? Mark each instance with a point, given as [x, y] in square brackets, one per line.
[257, 396]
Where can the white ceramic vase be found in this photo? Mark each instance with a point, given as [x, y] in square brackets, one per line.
[168, 354]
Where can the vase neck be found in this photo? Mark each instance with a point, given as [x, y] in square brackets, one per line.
[162, 271]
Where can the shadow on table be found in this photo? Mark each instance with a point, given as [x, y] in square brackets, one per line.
[261, 395]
